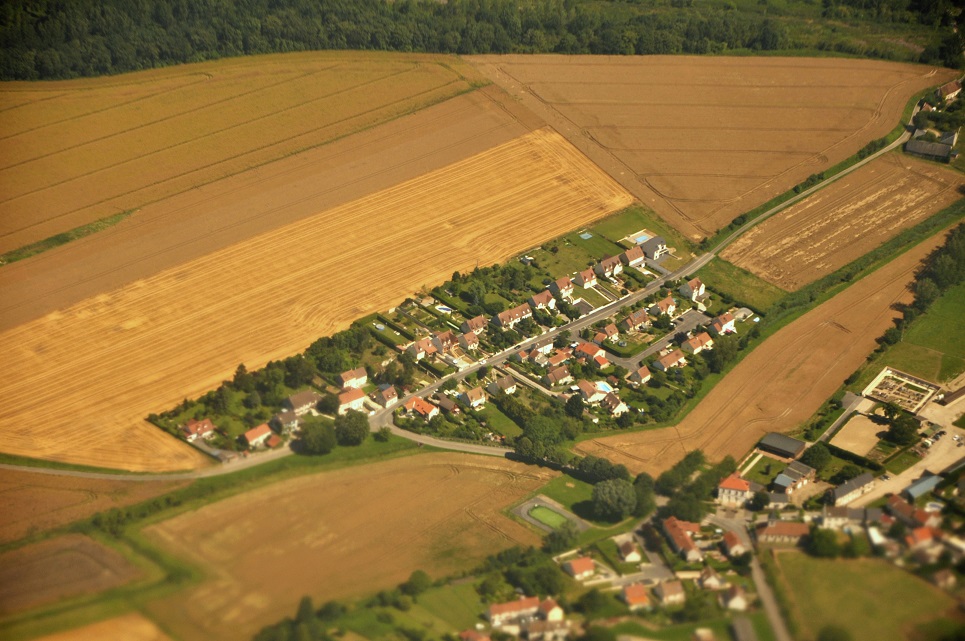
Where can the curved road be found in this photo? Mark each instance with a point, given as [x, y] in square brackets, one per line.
[382, 418]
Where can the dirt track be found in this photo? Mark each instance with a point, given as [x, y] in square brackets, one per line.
[845, 221]
[701, 139]
[90, 373]
[783, 381]
[265, 549]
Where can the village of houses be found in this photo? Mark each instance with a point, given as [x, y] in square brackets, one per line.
[905, 524]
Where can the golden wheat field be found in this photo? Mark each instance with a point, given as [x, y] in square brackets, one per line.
[702, 140]
[72, 152]
[261, 553]
[88, 374]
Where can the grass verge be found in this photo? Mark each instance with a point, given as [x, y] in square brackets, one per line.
[62, 239]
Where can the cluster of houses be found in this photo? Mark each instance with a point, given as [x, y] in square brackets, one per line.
[528, 617]
[923, 143]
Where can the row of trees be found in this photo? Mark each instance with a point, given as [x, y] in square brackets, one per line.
[44, 39]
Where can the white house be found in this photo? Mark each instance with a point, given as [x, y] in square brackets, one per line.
[351, 399]
[353, 378]
[692, 289]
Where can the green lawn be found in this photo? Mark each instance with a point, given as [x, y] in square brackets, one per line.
[591, 296]
[872, 599]
[764, 471]
[740, 285]
[567, 491]
[458, 606]
[902, 462]
[633, 219]
[685, 632]
[547, 516]
[499, 422]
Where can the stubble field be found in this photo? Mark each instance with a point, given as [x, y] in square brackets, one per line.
[263, 551]
[31, 503]
[703, 140]
[783, 381]
[67, 566]
[77, 151]
[88, 374]
[130, 627]
[845, 220]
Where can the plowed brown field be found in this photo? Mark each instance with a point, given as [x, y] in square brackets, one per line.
[263, 551]
[845, 221]
[703, 140]
[31, 503]
[783, 381]
[76, 151]
[87, 375]
[67, 566]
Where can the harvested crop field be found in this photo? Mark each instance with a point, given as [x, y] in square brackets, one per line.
[130, 627]
[859, 435]
[31, 503]
[67, 566]
[79, 150]
[845, 220]
[97, 368]
[265, 550]
[783, 381]
[702, 140]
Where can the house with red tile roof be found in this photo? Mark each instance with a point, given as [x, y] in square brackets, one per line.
[635, 320]
[782, 532]
[203, 429]
[698, 343]
[421, 407]
[387, 396]
[633, 257]
[512, 317]
[501, 613]
[589, 350]
[950, 90]
[446, 341]
[680, 534]
[273, 441]
[608, 267]
[557, 376]
[560, 357]
[591, 393]
[723, 324]
[692, 289]
[675, 358]
[542, 300]
[734, 491]
[476, 325]
[733, 546]
[666, 306]
[550, 610]
[580, 568]
[351, 399]
[357, 377]
[640, 376]
[920, 537]
[474, 398]
[469, 341]
[562, 287]
[910, 515]
[635, 596]
[257, 435]
[585, 278]
[421, 349]
[473, 635]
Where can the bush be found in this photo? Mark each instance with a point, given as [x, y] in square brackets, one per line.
[352, 428]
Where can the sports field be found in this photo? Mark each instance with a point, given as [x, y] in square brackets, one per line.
[870, 598]
[845, 220]
[702, 140]
[262, 551]
[99, 367]
[32, 503]
[783, 381]
[79, 150]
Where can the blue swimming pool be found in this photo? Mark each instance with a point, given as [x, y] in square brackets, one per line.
[604, 386]
[641, 239]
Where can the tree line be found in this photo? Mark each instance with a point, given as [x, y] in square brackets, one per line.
[49, 39]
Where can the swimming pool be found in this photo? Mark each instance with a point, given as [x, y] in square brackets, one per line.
[642, 239]
[603, 386]
[444, 309]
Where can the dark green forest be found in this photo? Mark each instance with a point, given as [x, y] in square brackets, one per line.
[49, 39]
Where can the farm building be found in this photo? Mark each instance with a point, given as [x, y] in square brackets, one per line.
[302, 401]
[782, 445]
[357, 377]
[782, 532]
[850, 490]
[635, 596]
[929, 150]
[679, 534]
[351, 399]
[921, 487]
[793, 477]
